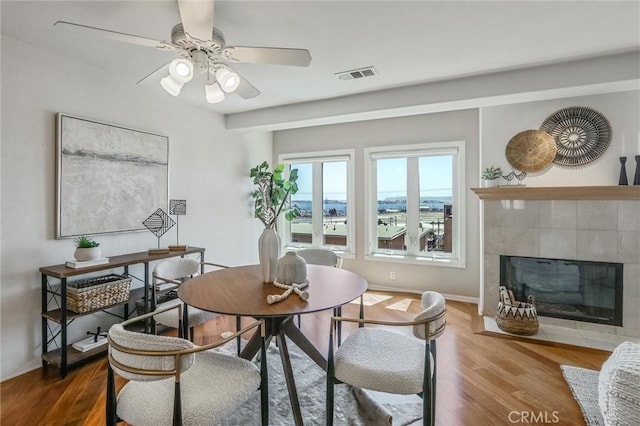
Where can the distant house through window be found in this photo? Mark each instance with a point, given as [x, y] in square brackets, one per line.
[325, 199]
[415, 203]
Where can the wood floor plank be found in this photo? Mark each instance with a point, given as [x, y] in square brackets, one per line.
[483, 378]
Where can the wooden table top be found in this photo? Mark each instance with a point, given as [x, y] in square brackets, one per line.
[241, 291]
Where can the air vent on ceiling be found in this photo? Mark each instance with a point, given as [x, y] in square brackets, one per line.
[357, 73]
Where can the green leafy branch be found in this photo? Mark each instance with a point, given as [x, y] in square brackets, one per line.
[272, 193]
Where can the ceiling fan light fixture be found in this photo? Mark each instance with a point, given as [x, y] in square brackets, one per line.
[181, 70]
[228, 80]
[213, 93]
[171, 85]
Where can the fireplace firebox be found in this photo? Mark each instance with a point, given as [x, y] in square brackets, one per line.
[570, 289]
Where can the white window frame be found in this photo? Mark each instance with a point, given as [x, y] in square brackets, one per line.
[317, 158]
[457, 258]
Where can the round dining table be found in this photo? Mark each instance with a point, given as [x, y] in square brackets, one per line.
[241, 291]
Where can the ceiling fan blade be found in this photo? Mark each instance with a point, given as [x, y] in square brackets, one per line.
[246, 90]
[197, 18]
[267, 55]
[163, 68]
[115, 35]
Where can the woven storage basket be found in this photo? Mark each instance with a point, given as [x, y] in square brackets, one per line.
[97, 293]
[516, 317]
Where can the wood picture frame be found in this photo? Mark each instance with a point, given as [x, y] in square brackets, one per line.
[109, 177]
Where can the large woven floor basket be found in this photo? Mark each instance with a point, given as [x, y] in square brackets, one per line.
[97, 293]
[516, 317]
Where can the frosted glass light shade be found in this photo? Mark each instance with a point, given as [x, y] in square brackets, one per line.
[181, 70]
[228, 80]
[170, 85]
[213, 93]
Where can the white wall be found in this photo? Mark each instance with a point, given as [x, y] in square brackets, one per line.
[208, 167]
[440, 127]
[501, 123]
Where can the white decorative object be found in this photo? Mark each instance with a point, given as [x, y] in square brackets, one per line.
[297, 288]
[269, 253]
[89, 253]
[291, 269]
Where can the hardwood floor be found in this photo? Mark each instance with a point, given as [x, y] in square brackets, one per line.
[483, 378]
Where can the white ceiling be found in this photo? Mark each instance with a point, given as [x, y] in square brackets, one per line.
[408, 42]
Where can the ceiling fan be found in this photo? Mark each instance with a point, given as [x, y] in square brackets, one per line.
[201, 48]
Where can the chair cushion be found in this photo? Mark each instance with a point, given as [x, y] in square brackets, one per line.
[133, 340]
[619, 386]
[211, 389]
[170, 318]
[381, 360]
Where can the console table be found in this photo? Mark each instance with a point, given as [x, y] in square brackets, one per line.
[66, 355]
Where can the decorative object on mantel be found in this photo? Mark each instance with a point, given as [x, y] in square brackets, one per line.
[272, 197]
[636, 177]
[520, 176]
[158, 223]
[178, 208]
[516, 317]
[509, 177]
[490, 176]
[531, 151]
[622, 180]
[581, 134]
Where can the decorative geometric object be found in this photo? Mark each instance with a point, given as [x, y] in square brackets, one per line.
[636, 177]
[158, 223]
[581, 134]
[178, 208]
[531, 151]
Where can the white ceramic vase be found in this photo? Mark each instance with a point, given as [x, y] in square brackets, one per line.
[292, 269]
[269, 253]
[87, 253]
[490, 183]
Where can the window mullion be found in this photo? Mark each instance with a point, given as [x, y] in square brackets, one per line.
[413, 205]
[317, 208]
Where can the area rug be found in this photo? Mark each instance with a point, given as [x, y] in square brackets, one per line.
[584, 386]
[353, 407]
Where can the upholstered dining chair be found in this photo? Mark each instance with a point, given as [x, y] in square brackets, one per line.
[167, 276]
[386, 361]
[319, 256]
[172, 381]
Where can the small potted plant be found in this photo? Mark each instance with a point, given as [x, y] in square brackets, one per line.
[490, 176]
[87, 249]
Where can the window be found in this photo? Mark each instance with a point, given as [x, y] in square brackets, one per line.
[415, 203]
[325, 199]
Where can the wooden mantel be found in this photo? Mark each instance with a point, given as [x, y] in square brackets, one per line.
[622, 192]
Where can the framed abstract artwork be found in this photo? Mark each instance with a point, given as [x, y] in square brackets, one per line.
[108, 177]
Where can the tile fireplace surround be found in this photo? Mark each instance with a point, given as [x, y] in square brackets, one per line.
[565, 224]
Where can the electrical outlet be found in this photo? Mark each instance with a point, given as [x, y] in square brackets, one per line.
[392, 275]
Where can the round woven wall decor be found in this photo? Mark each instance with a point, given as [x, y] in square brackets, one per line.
[581, 134]
[531, 151]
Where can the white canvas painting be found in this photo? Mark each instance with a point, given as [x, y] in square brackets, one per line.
[110, 178]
